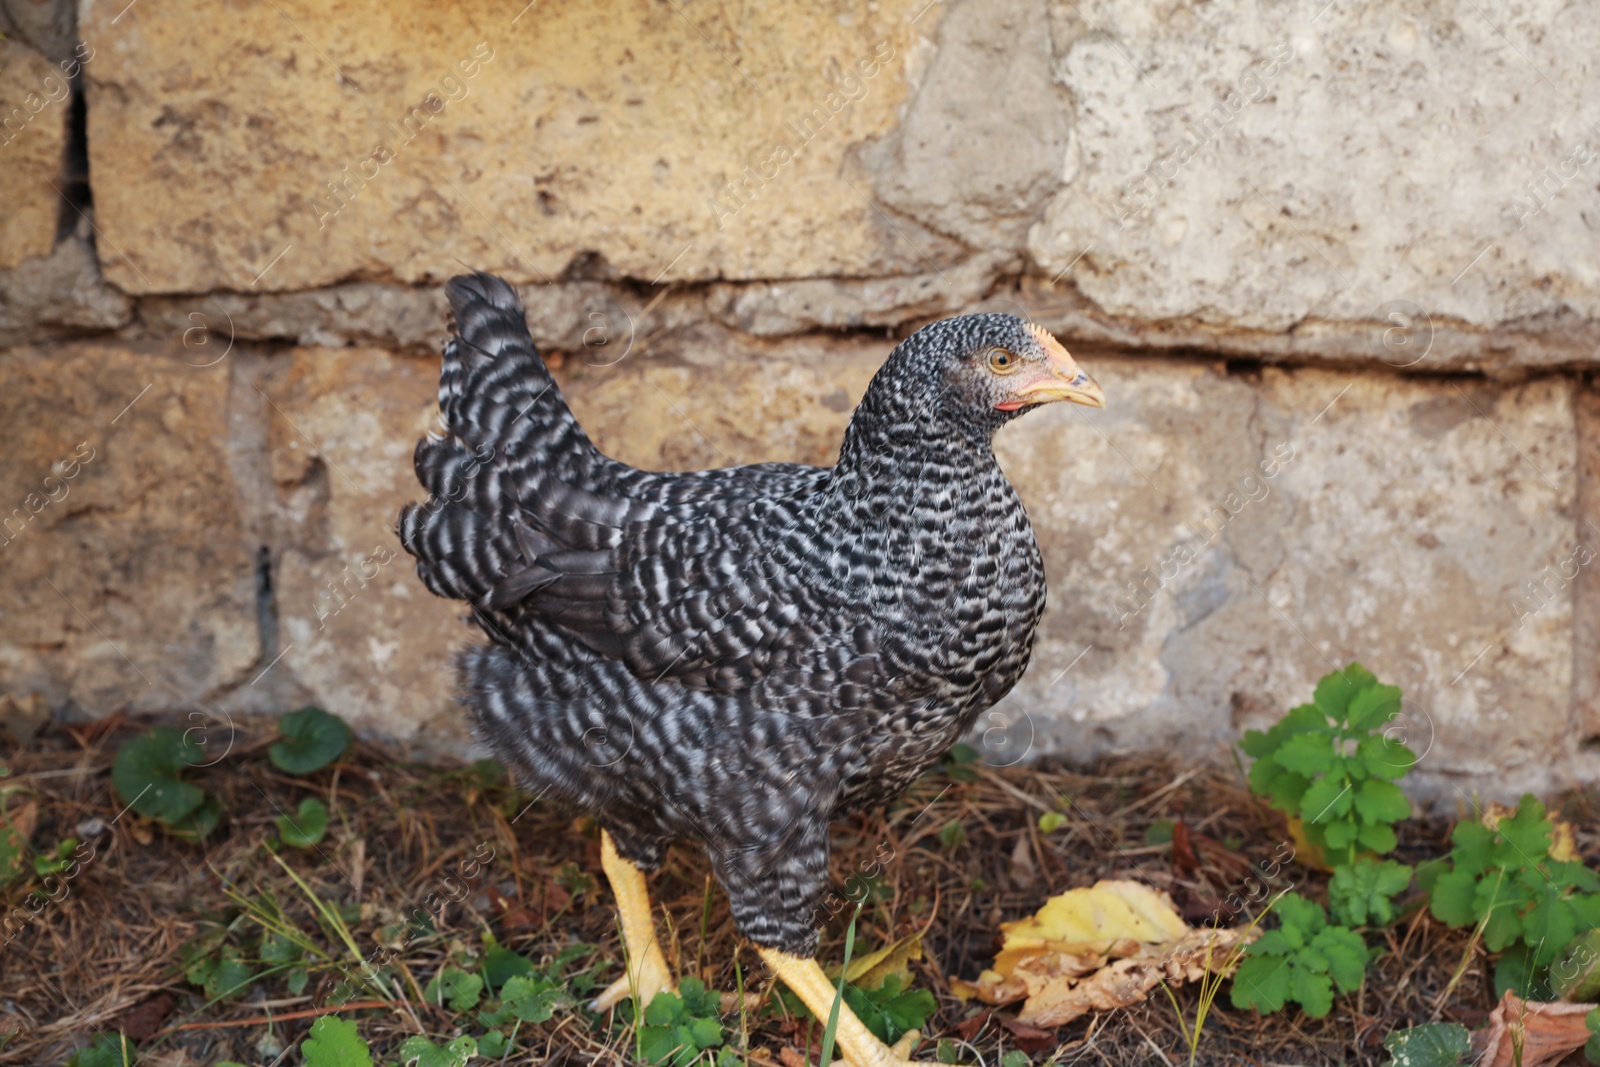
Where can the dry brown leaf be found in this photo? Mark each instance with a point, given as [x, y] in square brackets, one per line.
[1528, 1033]
[1099, 948]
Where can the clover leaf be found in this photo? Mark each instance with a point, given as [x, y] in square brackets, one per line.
[311, 739]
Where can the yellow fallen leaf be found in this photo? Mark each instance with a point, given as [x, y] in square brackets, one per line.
[1100, 920]
[1099, 948]
[868, 972]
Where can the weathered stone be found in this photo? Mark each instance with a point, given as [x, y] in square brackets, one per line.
[356, 629]
[769, 309]
[979, 150]
[59, 293]
[617, 132]
[33, 136]
[127, 580]
[1402, 527]
[1199, 189]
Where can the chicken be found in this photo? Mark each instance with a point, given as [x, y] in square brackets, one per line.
[732, 658]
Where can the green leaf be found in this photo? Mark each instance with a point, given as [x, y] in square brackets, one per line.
[534, 999]
[1548, 927]
[1313, 991]
[1015, 1058]
[1385, 757]
[223, 976]
[198, 824]
[500, 965]
[311, 739]
[1051, 821]
[1364, 891]
[308, 826]
[1295, 911]
[145, 774]
[333, 1042]
[891, 1010]
[952, 835]
[424, 1053]
[1380, 801]
[707, 1033]
[1452, 902]
[1472, 846]
[493, 1045]
[456, 986]
[1326, 800]
[1307, 754]
[1377, 837]
[105, 1051]
[1346, 954]
[1261, 983]
[1528, 831]
[1340, 833]
[1374, 704]
[1336, 689]
[1430, 1045]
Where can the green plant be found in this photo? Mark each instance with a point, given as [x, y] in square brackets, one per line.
[1304, 960]
[1530, 906]
[952, 835]
[1051, 821]
[333, 1042]
[48, 863]
[1323, 764]
[146, 775]
[310, 740]
[221, 970]
[461, 988]
[105, 1051]
[424, 1053]
[960, 762]
[307, 827]
[1591, 1048]
[1429, 1045]
[679, 1026]
[1363, 892]
[1210, 984]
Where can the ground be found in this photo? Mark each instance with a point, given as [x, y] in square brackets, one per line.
[468, 858]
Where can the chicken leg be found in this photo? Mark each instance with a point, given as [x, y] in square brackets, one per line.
[647, 970]
[860, 1046]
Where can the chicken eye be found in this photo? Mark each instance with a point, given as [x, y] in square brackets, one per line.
[1001, 361]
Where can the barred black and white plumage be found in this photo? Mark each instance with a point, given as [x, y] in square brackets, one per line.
[732, 657]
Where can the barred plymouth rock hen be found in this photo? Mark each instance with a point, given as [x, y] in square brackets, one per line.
[733, 657]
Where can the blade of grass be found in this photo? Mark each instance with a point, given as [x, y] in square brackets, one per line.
[832, 1031]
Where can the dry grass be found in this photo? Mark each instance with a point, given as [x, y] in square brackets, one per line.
[110, 953]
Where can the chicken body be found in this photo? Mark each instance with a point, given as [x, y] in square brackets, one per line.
[733, 657]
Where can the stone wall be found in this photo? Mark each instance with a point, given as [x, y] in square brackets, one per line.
[1337, 266]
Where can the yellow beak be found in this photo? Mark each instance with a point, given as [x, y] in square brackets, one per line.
[1067, 380]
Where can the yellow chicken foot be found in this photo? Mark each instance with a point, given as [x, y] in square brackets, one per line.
[647, 970]
[860, 1046]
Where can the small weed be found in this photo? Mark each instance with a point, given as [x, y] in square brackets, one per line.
[1324, 765]
[1304, 960]
[1528, 905]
